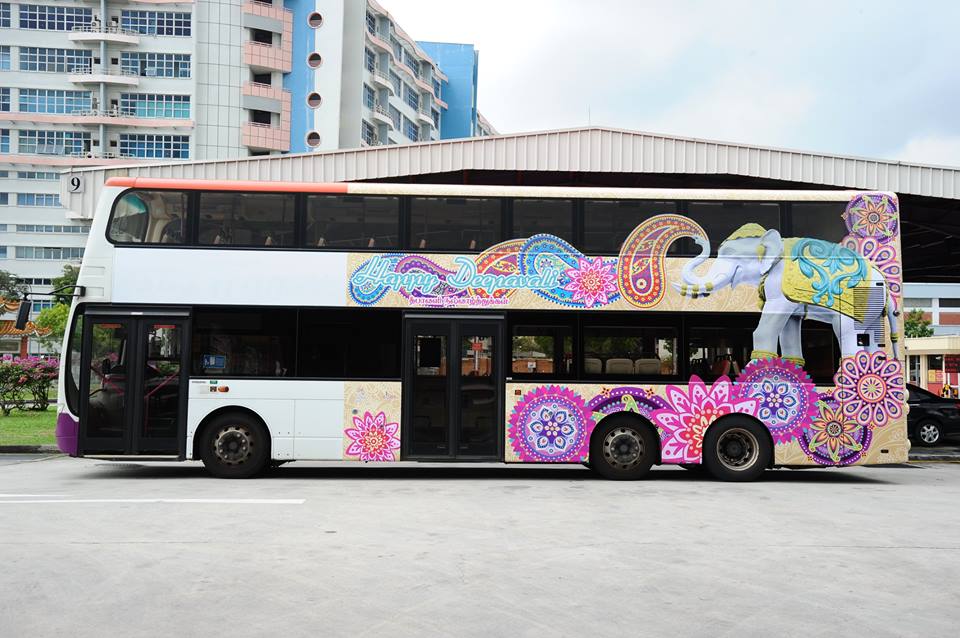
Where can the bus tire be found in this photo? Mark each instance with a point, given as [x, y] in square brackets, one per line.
[737, 448]
[235, 445]
[623, 448]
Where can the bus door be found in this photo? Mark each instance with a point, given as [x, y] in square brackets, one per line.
[133, 384]
[453, 387]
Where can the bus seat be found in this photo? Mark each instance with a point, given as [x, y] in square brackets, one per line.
[592, 365]
[422, 244]
[372, 242]
[321, 242]
[619, 366]
[646, 366]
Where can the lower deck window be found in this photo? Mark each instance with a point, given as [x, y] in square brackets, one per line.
[244, 343]
[626, 351]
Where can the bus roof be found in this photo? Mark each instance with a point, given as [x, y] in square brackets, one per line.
[459, 190]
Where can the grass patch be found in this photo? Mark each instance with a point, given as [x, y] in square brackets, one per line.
[28, 427]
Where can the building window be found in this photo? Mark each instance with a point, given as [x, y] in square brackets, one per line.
[371, 60]
[917, 302]
[50, 228]
[3, 252]
[435, 114]
[411, 97]
[4, 14]
[410, 129]
[156, 22]
[4, 201]
[42, 200]
[246, 219]
[160, 65]
[41, 304]
[4, 140]
[50, 18]
[155, 105]
[38, 175]
[4, 58]
[436, 87]
[54, 142]
[369, 97]
[160, 146]
[397, 84]
[344, 221]
[371, 23]
[4, 100]
[54, 254]
[395, 116]
[55, 60]
[397, 49]
[368, 132]
[55, 101]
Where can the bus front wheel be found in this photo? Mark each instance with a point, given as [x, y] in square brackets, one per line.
[623, 448]
[234, 445]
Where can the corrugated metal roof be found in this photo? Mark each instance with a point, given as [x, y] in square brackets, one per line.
[592, 149]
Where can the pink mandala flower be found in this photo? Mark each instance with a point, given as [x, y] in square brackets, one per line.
[870, 388]
[591, 281]
[692, 410]
[372, 438]
[550, 424]
[786, 397]
[884, 258]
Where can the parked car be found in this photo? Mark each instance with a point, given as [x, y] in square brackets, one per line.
[931, 417]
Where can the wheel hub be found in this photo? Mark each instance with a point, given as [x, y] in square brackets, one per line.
[623, 448]
[738, 449]
[234, 444]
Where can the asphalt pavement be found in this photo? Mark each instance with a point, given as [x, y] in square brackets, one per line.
[91, 548]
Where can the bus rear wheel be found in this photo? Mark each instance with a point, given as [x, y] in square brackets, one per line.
[234, 445]
[736, 449]
[622, 449]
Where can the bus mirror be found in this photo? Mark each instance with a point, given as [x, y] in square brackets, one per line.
[23, 313]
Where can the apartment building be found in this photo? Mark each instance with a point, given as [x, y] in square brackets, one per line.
[100, 83]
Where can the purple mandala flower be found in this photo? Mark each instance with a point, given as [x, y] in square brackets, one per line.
[786, 397]
[872, 215]
[550, 424]
[870, 388]
[833, 438]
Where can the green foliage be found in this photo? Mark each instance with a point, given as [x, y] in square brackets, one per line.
[25, 383]
[54, 318]
[914, 325]
[11, 287]
[68, 278]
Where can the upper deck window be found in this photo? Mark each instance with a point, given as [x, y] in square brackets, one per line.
[150, 217]
[534, 216]
[335, 221]
[247, 219]
[720, 219]
[607, 222]
[462, 224]
[821, 220]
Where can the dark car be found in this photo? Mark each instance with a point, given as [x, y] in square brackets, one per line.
[931, 417]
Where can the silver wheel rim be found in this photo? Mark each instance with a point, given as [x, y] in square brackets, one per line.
[738, 449]
[929, 433]
[623, 448]
[234, 444]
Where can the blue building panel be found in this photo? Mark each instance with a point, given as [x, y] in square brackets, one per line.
[459, 62]
[300, 81]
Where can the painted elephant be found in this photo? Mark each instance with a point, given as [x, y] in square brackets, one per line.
[798, 278]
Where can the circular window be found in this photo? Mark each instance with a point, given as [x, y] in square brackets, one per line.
[314, 60]
[315, 20]
[314, 100]
[313, 139]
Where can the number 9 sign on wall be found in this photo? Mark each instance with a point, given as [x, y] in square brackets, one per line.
[75, 184]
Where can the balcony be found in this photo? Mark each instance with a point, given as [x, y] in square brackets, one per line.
[425, 117]
[381, 115]
[103, 33]
[92, 117]
[379, 40]
[103, 75]
[268, 56]
[258, 89]
[266, 10]
[265, 136]
[382, 79]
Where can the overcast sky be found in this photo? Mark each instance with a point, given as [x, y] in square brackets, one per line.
[873, 78]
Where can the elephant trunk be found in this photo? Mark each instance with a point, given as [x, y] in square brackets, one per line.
[695, 286]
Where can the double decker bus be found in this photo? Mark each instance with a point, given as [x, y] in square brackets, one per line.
[253, 323]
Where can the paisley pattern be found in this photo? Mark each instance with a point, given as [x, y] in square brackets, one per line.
[640, 273]
[541, 252]
[500, 259]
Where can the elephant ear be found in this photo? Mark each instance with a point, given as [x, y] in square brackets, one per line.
[770, 248]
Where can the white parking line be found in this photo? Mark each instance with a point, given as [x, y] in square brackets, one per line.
[224, 501]
[32, 495]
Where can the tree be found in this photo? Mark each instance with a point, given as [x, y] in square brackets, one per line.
[54, 318]
[68, 278]
[11, 287]
[914, 325]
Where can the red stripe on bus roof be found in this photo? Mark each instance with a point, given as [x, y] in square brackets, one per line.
[226, 185]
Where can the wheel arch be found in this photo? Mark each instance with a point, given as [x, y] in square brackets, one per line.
[228, 409]
[632, 418]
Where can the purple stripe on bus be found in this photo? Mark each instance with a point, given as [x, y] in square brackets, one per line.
[67, 429]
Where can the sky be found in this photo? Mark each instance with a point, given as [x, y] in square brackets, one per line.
[873, 78]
